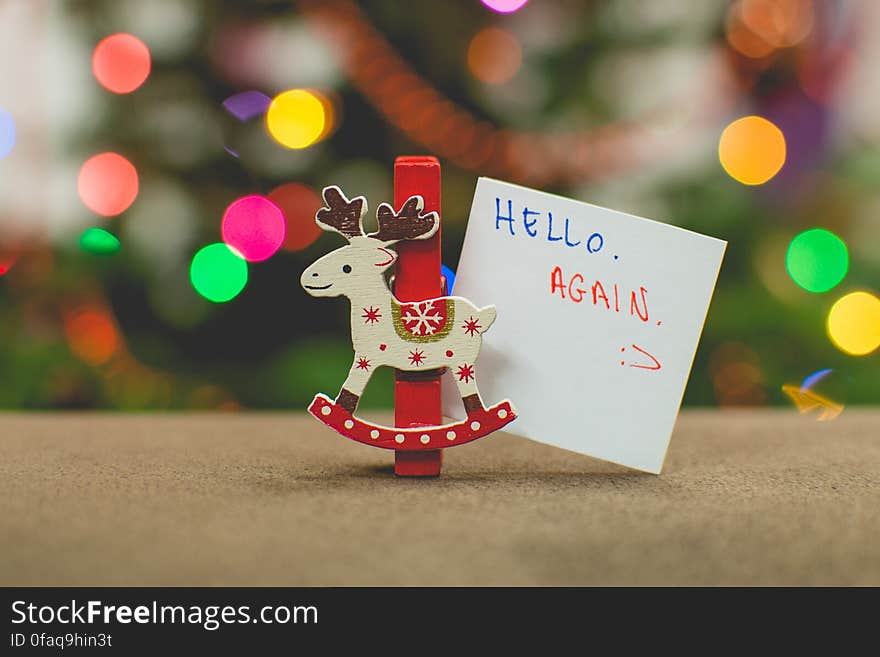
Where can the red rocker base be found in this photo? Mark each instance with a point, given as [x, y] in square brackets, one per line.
[478, 424]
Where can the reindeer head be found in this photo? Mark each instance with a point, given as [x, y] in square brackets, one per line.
[365, 257]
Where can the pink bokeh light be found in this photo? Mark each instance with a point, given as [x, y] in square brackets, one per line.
[504, 6]
[254, 226]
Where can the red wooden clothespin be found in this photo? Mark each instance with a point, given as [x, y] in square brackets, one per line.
[417, 400]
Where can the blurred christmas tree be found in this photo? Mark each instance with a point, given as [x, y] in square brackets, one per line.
[617, 102]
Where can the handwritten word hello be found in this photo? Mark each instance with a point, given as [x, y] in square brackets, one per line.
[596, 292]
[533, 224]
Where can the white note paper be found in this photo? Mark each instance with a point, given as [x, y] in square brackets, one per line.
[599, 316]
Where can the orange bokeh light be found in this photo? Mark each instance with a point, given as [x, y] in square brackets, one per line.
[756, 28]
[91, 334]
[781, 23]
[752, 150]
[121, 63]
[736, 375]
[742, 39]
[331, 119]
[299, 203]
[494, 55]
[107, 184]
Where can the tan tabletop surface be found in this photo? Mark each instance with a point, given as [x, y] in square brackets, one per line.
[746, 497]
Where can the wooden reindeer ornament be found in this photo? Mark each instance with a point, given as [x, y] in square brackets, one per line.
[439, 333]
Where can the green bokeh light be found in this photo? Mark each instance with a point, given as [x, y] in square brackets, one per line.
[218, 273]
[99, 241]
[817, 260]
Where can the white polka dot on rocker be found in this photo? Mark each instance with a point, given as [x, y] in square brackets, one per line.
[398, 438]
[348, 424]
[475, 426]
[425, 438]
[374, 434]
[450, 435]
[502, 414]
[326, 410]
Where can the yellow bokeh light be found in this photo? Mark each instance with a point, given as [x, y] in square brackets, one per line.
[854, 323]
[752, 150]
[296, 118]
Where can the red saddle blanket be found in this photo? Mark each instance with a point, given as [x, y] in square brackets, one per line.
[423, 321]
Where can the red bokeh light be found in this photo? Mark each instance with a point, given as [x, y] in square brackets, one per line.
[299, 204]
[6, 262]
[91, 334]
[121, 63]
[108, 184]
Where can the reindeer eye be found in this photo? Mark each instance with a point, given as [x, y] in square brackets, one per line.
[346, 269]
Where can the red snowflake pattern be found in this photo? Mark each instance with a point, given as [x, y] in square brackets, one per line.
[471, 326]
[363, 363]
[424, 317]
[416, 357]
[371, 315]
[466, 373]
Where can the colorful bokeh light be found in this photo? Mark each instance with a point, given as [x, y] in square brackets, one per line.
[7, 260]
[737, 375]
[299, 203]
[781, 23]
[741, 38]
[218, 273]
[812, 379]
[504, 6]
[91, 334]
[107, 184]
[329, 108]
[807, 400]
[854, 323]
[756, 28]
[121, 63]
[7, 133]
[494, 55]
[247, 104]
[817, 260]
[752, 150]
[254, 227]
[99, 241]
[450, 278]
[296, 118]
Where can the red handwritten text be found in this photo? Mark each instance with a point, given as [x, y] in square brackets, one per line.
[609, 296]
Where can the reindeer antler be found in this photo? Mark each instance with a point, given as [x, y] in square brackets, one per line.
[340, 214]
[408, 224]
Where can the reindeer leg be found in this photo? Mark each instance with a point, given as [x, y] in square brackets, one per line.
[467, 387]
[348, 400]
[353, 388]
[472, 403]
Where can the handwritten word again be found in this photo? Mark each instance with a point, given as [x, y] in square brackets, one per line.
[608, 297]
[556, 231]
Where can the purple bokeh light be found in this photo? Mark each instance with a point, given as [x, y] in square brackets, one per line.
[246, 105]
